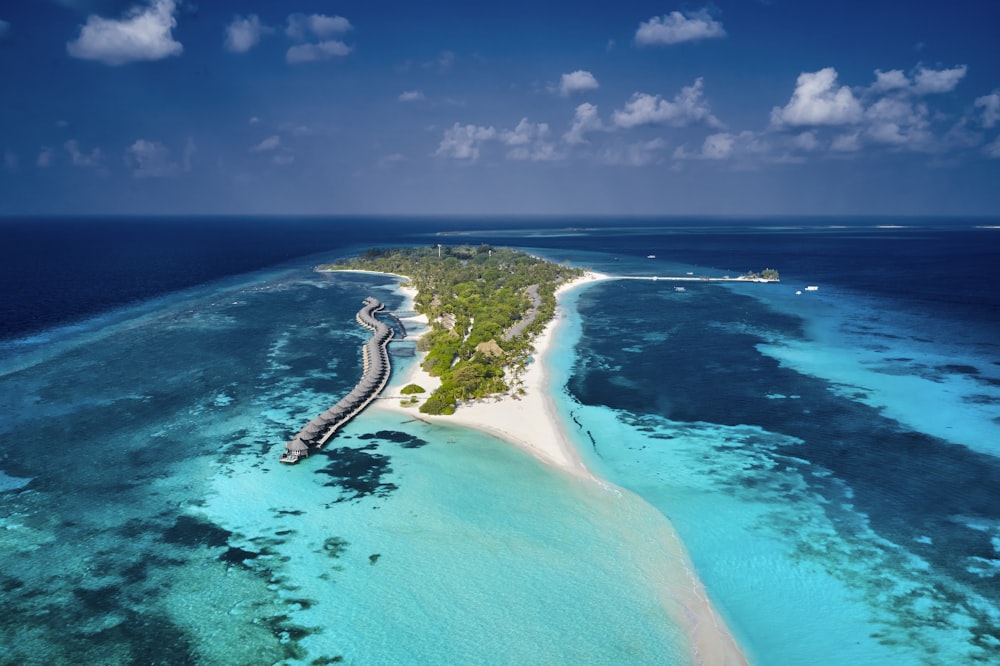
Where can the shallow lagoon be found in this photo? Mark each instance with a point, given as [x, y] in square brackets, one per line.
[830, 464]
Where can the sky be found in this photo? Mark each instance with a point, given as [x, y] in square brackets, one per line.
[383, 107]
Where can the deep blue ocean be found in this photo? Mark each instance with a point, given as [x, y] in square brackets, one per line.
[830, 457]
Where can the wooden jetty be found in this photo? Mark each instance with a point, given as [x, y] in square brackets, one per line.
[374, 376]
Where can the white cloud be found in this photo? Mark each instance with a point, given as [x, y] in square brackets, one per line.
[578, 81]
[142, 34]
[150, 159]
[44, 159]
[584, 120]
[894, 79]
[4, 29]
[79, 158]
[928, 81]
[301, 26]
[687, 107]
[325, 50]
[529, 141]
[272, 142]
[818, 101]
[253, 120]
[524, 133]
[675, 27]
[990, 105]
[746, 146]
[244, 33]
[462, 142]
[922, 81]
[718, 146]
[274, 147]
[898, 122]
[411, 96]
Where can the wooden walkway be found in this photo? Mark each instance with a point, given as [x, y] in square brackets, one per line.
[318, 432]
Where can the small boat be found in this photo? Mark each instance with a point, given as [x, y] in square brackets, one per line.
[679, 289]
[812, 288]
[651, 256]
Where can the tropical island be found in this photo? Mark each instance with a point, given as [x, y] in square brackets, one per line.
[766, 275]
[484, 306]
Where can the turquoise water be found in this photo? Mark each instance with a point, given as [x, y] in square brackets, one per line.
[146, 518]
[830, 487]
[829, 460]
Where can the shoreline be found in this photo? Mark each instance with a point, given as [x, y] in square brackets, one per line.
[529, 422]
[532, 424]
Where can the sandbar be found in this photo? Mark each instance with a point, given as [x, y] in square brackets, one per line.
[530, 422]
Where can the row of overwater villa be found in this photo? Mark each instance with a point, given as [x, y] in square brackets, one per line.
[318, 432]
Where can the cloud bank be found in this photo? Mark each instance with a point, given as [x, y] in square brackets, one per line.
[689, 106]
[317, 31]
[462, 142]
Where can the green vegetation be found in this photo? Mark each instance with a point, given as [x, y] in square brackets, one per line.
[768, 275]
[484, 304]
[410, 389]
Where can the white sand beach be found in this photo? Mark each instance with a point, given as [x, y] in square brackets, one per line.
[531, 423]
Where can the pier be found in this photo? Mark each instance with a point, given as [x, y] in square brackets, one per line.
[374, 376]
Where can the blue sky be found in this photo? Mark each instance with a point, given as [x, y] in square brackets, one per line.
[384, 107]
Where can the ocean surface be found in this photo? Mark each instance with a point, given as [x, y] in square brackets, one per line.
[830, 457]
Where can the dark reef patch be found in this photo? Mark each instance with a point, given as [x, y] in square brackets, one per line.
[958, 369]
[304, 604]
[358, 473]
[289, 634]
[980, 399]
[100, 600]
[235, 555]
[406, 440]
[335, 546]
[10, 584]
[191, 532]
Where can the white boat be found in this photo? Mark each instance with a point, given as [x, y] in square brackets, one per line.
[812, 287]
[651, 256]
[679, 289]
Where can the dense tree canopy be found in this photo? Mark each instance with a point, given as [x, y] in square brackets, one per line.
[478, 300]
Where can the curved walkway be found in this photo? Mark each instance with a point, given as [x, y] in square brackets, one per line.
[373, 379]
